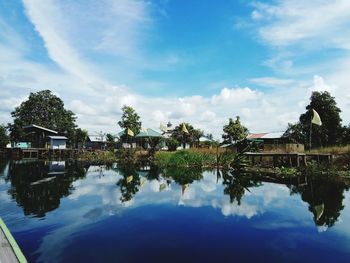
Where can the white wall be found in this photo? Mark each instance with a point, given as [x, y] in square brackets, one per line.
[58, 144]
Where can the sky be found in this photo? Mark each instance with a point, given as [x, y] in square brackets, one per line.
[196, 61]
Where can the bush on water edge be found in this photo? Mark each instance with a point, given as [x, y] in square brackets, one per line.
[193, 158]
[337, 150]
[100, 157]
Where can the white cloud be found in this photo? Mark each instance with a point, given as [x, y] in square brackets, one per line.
[291, 21]
[48, 18]
[235, 96]
[319, 84]
[79, 107]
[272, 82]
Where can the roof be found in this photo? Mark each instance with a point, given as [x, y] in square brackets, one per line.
[97, 138]
[269, 135]
[148, 133]
[40, 128]
[205, 139]
[143, 133]
[58, 137]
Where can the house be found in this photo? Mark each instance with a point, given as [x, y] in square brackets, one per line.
[205, 142]
[274, 142]
[96, 142]
[57, 142]
[37, 136]
[146, 138]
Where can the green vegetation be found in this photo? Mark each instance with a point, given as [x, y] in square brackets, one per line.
[98, 157]
[193, 158]
[286, 171]
[191, 136]
[330, 133]
[4, 138]
[234, 131]
[44, 109]
[79, 138]
[130, 120]
[172, 143]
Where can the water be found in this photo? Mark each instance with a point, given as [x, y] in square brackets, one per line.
[70, 212]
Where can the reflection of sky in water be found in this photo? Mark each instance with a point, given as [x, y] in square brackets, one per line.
[268, 215]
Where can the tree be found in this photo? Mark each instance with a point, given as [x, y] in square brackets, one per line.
[44, 109]
[80, 137]
[110, 141]
[234, 131]
[4, 138]
[192, 137]
[172, 143]
[346, 135]
[295, 133]
[330, 132]
[130, 120]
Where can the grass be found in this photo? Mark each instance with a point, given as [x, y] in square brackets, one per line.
[345, 149]
[194, 158]
[99, 157]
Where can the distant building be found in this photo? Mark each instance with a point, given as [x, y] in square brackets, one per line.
[96, 142]
[274, 142]
[205, 142]
[268, 137]
[143, 139]
[38, 136]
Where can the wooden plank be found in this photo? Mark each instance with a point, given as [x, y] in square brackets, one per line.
[9, 250]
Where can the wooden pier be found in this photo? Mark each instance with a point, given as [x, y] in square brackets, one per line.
[44, 153]
[287, 159]
[9, 250]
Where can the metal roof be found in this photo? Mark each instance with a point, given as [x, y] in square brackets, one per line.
[268, 135]
[39, 127]
[97, 138]
[58, 137]
[205, 139]
[148, 133]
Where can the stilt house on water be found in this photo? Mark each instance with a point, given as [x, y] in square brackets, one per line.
[41, 137]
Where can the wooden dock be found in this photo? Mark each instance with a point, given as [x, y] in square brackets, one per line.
[44, 153]
[9, 250]
[287, 159]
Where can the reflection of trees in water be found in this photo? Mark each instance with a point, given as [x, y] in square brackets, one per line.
[236, 184]
[325, 199]
[153, 173]
[129, 184]
[38, 191]
[183, 176]
[3, 164]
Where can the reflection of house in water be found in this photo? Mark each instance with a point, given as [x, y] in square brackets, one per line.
[56, 167]
[37, 189]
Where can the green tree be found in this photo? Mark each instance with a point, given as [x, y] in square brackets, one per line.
[346, 135]
[80, 137]
[192, 137]
[44, 109]
[330, 132]
[234, 131]
[110, 141]
[172, 143]
[295, 133]
[130, 120]
[4, 138]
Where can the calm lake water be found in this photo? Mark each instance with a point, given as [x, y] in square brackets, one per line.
[70, 212]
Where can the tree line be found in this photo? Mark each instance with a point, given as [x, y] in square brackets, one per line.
[45, 109]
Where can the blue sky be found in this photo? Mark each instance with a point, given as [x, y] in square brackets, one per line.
[198, 61]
